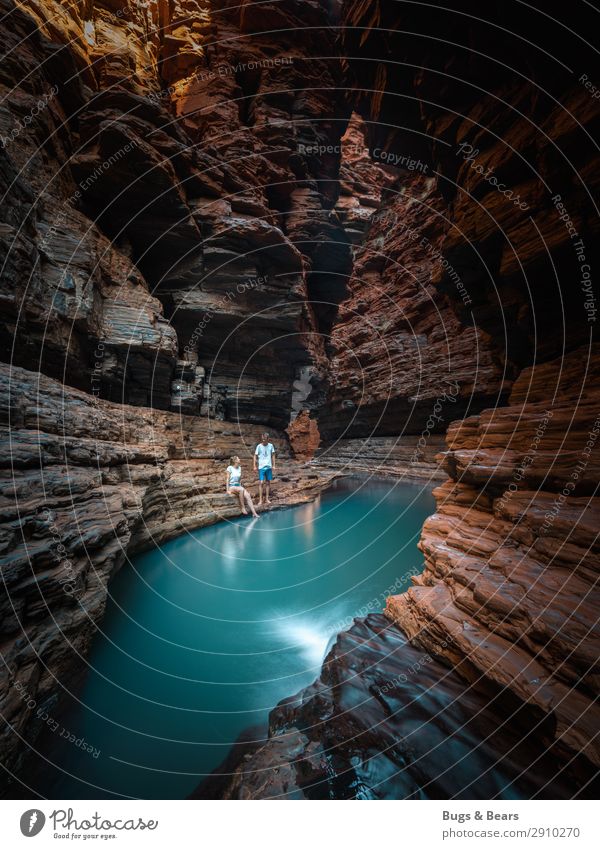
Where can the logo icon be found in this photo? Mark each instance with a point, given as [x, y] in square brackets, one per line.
[32, 822]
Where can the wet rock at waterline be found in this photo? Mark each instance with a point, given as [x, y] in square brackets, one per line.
[386, 720]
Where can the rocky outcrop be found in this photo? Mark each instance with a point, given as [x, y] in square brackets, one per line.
[408, 457]
[165, 197]
[85, 483]
[387, 721]
[451, 283]
[195, 220]
[510, 589]
[400, 352]
[303, 433]
[74, 305]
[471, 303]
[195, 144]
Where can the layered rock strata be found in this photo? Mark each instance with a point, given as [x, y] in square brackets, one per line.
[208, 153]
[84, 483]
[510, 587]
[475, 274]
[387, 721]
[400, 352]
[408, 458]
[174, 237]
[477, 262]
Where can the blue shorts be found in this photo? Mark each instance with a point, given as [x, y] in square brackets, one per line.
[265, 474]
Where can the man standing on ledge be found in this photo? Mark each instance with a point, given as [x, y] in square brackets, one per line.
[264, 461]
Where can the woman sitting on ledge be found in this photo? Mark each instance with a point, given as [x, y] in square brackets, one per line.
[234, 486]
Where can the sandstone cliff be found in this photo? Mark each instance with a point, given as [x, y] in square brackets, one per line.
[161, 218]
[216, 217]
[473, 274]
[85, 483]
[194, 143]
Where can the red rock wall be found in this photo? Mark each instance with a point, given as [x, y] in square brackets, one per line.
[186, 137]
[304, 437]
[156, 199]
[510, 587]
[83, 483]
[175, 235]
[509, 592]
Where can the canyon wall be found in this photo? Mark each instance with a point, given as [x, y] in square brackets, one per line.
[160, 228]
[84, 483]
[472, 266]
[471, 296]
[496, 244]
[510, 588]
[209, 222]
[164, 197]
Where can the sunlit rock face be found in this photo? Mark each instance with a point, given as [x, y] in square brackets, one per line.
[303, 433]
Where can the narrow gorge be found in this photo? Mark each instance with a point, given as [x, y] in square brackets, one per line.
[369, 229]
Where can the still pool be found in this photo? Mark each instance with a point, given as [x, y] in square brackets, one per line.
[203, 636]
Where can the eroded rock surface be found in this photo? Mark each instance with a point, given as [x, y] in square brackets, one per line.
[196, 218]
[84, 483]
[510, 585]
[387, 721]
[194, 142]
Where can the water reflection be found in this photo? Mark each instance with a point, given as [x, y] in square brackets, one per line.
[203, 637]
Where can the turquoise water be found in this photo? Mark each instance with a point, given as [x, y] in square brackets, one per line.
[203, 636]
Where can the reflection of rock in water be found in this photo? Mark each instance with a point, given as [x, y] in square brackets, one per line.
[386, 721]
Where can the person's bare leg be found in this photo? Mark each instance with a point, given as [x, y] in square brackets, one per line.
[267, 491]
[250, 503]
[260, 498]
[240, 494]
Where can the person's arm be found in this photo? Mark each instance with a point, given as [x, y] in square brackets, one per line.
[227, 490]
[273, 458]
[255, 460]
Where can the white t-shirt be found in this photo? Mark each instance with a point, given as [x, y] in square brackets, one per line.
[265, 454]
[235, 475]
